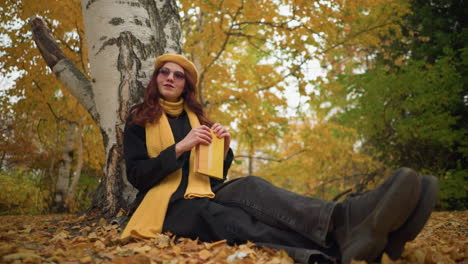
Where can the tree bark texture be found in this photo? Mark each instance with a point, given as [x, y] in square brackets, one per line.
[64, 169]
[65, 71]
[123, 39]
[79, 164]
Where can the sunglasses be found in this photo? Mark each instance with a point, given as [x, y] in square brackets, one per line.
[179, 76]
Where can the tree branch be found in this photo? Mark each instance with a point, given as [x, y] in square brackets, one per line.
[65, 71]
[218, 54]
[271, 159]
[263, 88]
[46, 44]
[355, 35]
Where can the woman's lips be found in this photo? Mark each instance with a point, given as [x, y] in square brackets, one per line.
[169, 85]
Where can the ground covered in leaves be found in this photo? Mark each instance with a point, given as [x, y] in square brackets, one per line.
[87, 239]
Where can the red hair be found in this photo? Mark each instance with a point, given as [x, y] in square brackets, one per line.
[150, 110]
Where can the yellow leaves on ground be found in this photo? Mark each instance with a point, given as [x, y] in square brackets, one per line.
[59, 238]
[67, 238]
[444, 240]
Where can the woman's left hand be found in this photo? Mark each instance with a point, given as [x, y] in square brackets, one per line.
[222, 132]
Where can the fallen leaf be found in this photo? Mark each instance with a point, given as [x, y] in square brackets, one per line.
[162, 240]
[59, 252]
[107, 255]
[418, 256]
[138, 259]
[32, 246]
[27, 229]
[236, 256]
[176, 250]
[26, 250]
[83, 245]
[99, 244]
[92, 235]
[86, 259]
[60, 236]
[246, 249]
[102, 222]
[142, 249]
[447, 249]
[214, 244]
[121, 212]
[204, 254]
[386, 259]
[19, 256]
[6, 248]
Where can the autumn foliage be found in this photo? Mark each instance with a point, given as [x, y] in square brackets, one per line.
[252, 56]
[37, 114]
[87, 239]
[378, 84]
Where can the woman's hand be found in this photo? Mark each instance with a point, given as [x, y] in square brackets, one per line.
[222, 132]
[198, 135]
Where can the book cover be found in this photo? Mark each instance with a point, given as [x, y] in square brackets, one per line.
[210, 158]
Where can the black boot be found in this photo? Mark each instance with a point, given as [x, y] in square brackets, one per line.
[418, 218]
[363, 223]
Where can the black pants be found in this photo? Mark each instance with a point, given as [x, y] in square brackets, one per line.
[252, 209]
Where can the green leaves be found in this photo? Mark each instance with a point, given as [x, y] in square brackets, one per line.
[407, 112]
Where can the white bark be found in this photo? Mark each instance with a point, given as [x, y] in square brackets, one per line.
[124, 38]
[77, 83]
[63, 177]
[79, 164]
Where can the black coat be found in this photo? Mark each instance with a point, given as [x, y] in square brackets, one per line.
[144, 172]
[222, 217]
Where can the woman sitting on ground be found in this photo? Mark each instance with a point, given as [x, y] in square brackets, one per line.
[159, 137]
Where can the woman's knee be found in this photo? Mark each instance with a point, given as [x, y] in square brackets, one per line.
[252, 180]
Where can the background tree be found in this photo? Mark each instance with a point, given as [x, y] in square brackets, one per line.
[36, 112]
[411, 109]
[122, 51]
[321, 159]
[246, 58]
[252, 53]
[70, 28]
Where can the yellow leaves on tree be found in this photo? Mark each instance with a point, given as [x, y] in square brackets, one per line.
[318, 159]
[249, 51]
[38, 110]
[250, 54]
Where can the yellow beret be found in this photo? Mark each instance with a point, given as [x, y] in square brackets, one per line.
[188, 66]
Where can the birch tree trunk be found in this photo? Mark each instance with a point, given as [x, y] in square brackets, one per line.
[123, 39]
[79, 164]
[65, 164]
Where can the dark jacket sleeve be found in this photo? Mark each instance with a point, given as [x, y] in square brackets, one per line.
[144, 172]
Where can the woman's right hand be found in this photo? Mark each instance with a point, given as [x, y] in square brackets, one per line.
[197, 135]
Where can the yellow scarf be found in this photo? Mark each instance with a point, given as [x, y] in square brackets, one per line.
[148, 219]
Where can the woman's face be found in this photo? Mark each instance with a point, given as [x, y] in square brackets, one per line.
[171, 81]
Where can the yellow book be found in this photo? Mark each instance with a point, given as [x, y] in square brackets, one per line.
[210, 158]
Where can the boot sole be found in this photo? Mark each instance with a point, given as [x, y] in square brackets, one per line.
[391, 212]
[415, 223]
